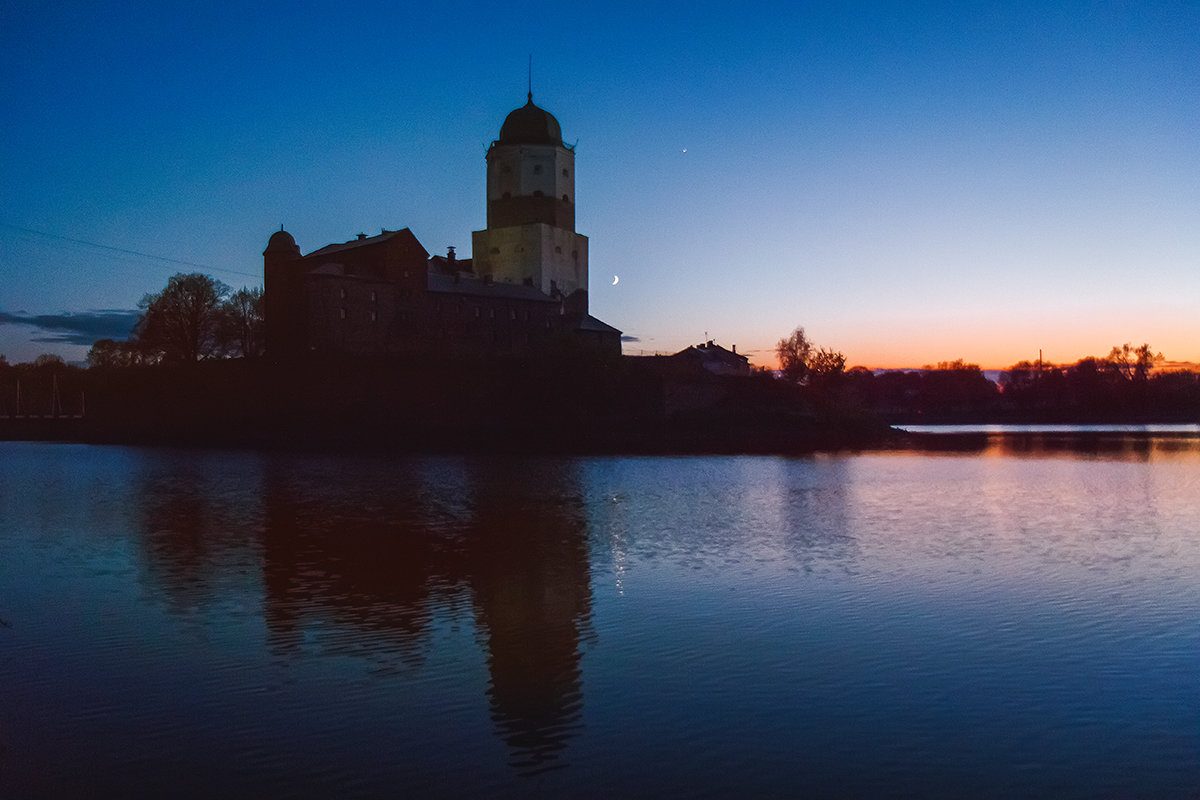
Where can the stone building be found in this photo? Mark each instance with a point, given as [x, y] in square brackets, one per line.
[524, 292]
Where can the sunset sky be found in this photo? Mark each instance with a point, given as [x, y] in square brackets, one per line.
[912, 182]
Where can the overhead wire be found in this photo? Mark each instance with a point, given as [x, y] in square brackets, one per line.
[125, 251]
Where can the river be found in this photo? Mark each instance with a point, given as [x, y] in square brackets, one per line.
[1003, 618]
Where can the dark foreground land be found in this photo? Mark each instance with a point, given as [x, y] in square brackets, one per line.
[621, 405]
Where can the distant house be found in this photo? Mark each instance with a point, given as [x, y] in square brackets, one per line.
[715, 359]
[525, 290]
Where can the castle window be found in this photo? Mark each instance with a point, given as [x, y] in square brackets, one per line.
[557, 249]
[341, 312]
[565, 200]
[537, 169]
[564, 172]
[374, 297]
[539, 193]
[342, 294]
[374, 316]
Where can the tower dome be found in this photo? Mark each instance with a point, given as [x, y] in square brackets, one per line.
[530, 125]
[281, 242]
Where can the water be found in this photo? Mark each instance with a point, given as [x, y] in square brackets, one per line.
[1008, 620]
[1187, 428]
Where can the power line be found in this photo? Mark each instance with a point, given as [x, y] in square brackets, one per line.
[125, 251]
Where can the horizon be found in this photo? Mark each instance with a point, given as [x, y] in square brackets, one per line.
[909, 186]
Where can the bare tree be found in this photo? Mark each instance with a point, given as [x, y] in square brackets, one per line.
[794, 353]
[242, 318]
[1133, 363]
[826, 363]
[182, 322]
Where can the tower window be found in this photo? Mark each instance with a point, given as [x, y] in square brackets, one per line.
[374, 316]
[558, 249]
[564, 172]
[341, 313]
[374, 297]
[537, 169]
[342, 294]
[565, 200]
[539, 193]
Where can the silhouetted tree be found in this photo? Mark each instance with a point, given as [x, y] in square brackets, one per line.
[826, 363]
[794, 353]
[182, 322]
[1133, 363]
[242, 322]
[108, 353]
[49, 361]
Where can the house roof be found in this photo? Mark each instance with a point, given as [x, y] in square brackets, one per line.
[709, 351]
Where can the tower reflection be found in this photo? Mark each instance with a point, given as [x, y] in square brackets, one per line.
[529, 574]
[373, 552]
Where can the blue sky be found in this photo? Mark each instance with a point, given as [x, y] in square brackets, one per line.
[912, 182]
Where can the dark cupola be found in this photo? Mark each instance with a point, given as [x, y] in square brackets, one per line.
[530, 124]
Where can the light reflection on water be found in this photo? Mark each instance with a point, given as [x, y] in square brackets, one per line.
[1009, 617]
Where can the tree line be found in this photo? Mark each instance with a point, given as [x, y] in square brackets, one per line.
[1126, 385]
[195, 317]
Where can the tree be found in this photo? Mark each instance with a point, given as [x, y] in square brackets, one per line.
[242, 322]
[794, 353]
[1133, 363]
[826, 363]
[108, 353]
[49, 360]
[182, 322]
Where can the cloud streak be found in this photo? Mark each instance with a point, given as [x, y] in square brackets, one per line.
[80, 327]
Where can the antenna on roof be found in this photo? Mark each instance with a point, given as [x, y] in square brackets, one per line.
[531, 77]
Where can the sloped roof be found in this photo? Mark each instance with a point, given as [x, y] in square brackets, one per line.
[386, 235]
[471, 285]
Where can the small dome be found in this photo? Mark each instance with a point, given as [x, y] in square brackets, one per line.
[530, 125]
[281, 241]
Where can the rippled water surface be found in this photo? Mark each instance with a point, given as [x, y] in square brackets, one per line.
[1008, 619]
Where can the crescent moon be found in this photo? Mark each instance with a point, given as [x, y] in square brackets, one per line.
[616, 280]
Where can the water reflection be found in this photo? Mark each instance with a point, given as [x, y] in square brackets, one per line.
[196, 515]
[527, 564]
[360, 557]
[1111, 445]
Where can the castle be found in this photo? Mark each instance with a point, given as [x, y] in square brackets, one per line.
[524, 292]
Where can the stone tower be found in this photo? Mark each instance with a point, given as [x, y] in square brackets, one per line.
[530, 237]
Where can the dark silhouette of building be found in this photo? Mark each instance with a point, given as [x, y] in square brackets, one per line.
[525, 290]
[715, 359]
